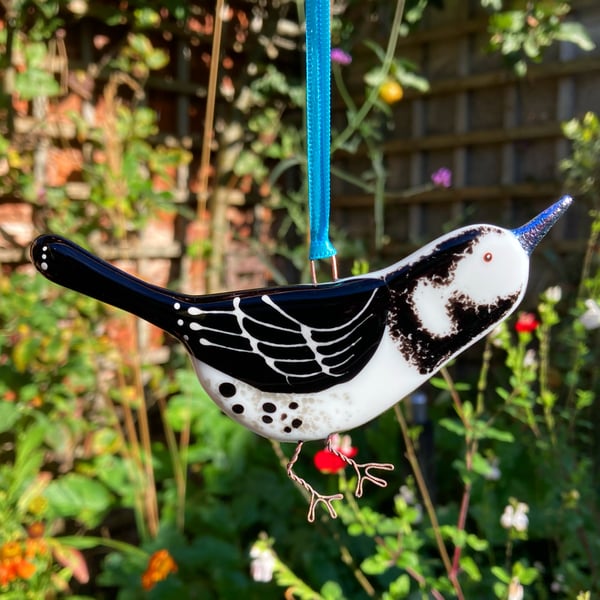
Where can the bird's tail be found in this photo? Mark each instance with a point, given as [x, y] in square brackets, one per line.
[69, 265]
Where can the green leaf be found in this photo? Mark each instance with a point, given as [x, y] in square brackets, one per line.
[80, 497]
[576, 34]
[585, 398]
[477, 543]
[375, 565]
[495, 5]
[140, 43]
[9, 413]
[526, 575]
[34, 83]
[35, 54]
[502, 393]
[453, 426]
[332, 591]
[492, 433]
[469, 566]
[408, 79]
[399, 588]
[146, 17]
[157, 59]
[375, 77]
[501, 574]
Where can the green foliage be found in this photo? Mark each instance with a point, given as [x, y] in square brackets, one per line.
[523, 35]
[582, 168]
[89, 436]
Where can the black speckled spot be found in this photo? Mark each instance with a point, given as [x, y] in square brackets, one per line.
[293, 405]
[287, 429]
[297, 423]
[238, 409]
[267, 419]
[227, 390]
[269, 407]
[283, 416]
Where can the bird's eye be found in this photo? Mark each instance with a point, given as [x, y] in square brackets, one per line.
[487, 257]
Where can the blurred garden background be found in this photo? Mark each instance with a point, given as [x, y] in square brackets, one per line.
[169, 138]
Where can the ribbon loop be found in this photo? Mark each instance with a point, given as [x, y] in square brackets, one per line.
[318, 125]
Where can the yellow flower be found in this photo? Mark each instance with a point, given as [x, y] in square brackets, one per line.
[37, 505]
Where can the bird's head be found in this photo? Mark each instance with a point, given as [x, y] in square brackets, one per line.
[496, 264]
[460, 286]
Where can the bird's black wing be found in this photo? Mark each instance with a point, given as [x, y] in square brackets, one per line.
[290, 339]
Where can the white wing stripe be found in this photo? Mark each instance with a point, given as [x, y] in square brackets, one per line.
[307, 333]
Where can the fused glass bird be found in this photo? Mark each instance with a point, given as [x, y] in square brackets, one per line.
[302, 362]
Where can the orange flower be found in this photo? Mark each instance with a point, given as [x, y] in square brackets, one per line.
[161, 563]
[36, 530]
[24, 569]
[34, 546]
[6, 573]
[10, 550]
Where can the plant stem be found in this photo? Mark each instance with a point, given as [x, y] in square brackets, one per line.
[416, 468]
[460, 525]
[584, 283]
[133, 450]
[178, 460]
[132, 461]
[361, 115]
[152, 513]
[209, 116]
[482, 381]
[470, 450]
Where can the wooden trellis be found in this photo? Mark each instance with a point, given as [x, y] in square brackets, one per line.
[500, 136]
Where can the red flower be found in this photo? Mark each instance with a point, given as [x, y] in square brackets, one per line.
[328, 462]
[526, 323]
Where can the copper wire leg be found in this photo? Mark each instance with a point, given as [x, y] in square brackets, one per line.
[334, 270]
[315, 497]
[361, 470]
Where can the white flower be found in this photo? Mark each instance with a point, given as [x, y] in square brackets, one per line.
[557, 585]
[342, 443]
[515, 517]
[262, 564]
[407, 495]
[590, 319]
[506, 519]
[515, 589]
[530, 359]
[494, 472]
[520, 518]
[553, 294]
[410, 498]
[496, 335]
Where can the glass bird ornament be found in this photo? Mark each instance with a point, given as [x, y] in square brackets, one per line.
[302, 362]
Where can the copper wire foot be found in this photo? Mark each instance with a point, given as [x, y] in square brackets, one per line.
[315, 497]
[361, 469]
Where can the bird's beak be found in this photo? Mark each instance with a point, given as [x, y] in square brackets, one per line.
[531, 234]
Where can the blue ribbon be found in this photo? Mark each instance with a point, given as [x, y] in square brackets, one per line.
[318, 125]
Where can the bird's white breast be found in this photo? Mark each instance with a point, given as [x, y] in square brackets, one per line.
[385, 380]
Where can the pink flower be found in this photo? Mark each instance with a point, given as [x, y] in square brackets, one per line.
[340, 57]
[262, 564]
[328, 462]
[442, 177]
